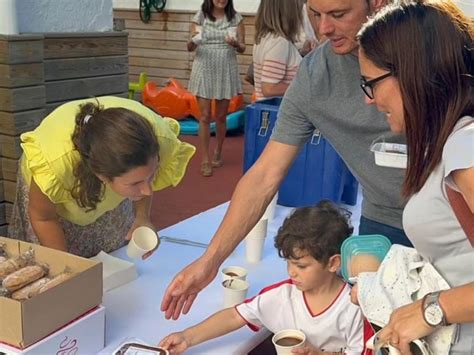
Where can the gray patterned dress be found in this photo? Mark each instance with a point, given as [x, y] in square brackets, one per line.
[215, 74]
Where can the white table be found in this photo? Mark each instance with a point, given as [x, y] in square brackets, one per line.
[133, 310]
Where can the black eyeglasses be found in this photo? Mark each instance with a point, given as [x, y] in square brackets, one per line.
[368, 86]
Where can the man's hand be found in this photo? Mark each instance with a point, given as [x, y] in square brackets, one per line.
[183, 290]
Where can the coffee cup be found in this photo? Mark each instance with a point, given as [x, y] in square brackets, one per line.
[270, 211]
[235, 292]
[288, 339]
[255, 242]
[144, 239]
[233, 272]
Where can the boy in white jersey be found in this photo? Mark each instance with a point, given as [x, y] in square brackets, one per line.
[314, 300]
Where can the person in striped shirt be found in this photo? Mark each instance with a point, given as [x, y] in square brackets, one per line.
[275, 55]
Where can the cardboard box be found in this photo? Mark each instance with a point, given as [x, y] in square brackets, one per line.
[24, 323]
[84, 336]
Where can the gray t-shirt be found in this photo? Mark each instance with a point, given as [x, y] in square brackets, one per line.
[325, 95]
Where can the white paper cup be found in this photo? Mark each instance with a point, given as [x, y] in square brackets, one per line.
[233, 272]
[232, 32]
[270, 211]
[283, 347]
[235, 292]
[259, 230]
[254, 249]
[144, 239]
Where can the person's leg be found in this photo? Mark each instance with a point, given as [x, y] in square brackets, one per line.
[396, 236]
[221, 129]
[205, 134]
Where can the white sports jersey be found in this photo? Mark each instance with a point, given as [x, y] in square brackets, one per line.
[340, 327]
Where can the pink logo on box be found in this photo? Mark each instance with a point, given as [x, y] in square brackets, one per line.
[68, 347]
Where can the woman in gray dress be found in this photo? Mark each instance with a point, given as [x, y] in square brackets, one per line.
[219, 34]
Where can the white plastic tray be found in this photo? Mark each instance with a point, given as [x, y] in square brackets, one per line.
[390, 154]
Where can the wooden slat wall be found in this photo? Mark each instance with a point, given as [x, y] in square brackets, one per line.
[159, 47]
[22, 99]
[81, 65]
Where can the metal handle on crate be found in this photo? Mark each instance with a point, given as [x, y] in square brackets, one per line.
[316, 138]
[264, 123]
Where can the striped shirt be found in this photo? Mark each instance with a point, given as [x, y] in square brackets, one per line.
[275, 60]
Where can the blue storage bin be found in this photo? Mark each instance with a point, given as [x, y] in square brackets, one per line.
[317, 172]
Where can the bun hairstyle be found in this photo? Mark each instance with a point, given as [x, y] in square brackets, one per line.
[110, 142]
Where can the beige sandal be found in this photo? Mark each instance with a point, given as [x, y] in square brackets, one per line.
[206, 169]
[217, 161]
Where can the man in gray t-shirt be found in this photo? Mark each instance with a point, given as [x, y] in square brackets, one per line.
[325, 94]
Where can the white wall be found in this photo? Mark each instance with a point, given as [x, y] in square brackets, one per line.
[64, 15]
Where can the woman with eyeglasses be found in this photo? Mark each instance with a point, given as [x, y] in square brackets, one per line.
[416, 62]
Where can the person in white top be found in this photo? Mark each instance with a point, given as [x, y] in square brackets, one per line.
[314, 300]
[416, 62]
[275, 55]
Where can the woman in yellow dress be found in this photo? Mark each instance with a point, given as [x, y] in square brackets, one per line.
[88, 172]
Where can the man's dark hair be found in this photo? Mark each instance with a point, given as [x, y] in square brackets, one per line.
[318, 230]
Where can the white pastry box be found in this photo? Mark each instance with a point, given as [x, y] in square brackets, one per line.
[83, 336]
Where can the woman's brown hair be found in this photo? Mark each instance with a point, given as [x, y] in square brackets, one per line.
[428, 47]
[279, 17]
[207, 7]
[110, 143]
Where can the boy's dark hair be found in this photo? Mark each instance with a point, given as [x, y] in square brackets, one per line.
[318, 230]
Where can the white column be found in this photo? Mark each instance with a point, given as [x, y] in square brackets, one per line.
[8, 20]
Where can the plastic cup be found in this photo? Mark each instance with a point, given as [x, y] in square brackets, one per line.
[144, 239]
[233, 272]
[286, 340]
[235, 292]
[270, 211]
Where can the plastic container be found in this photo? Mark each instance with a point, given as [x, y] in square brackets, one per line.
[317, 173]
[376, 245]
[392, 155]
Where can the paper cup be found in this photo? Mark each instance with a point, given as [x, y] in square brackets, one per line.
[233, 272]
[270, 211]
[260, 229]
[144, 239]
[288, 339]
[232, 32]
[254, 249]
[235, 292]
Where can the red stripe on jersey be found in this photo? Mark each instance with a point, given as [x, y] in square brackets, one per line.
[330, 305]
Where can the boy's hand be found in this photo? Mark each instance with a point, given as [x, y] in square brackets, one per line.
[175, 343]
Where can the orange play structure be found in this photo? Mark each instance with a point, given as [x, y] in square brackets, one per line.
[175, 101]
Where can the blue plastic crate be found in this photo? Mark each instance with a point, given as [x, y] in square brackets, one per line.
[317, 172]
